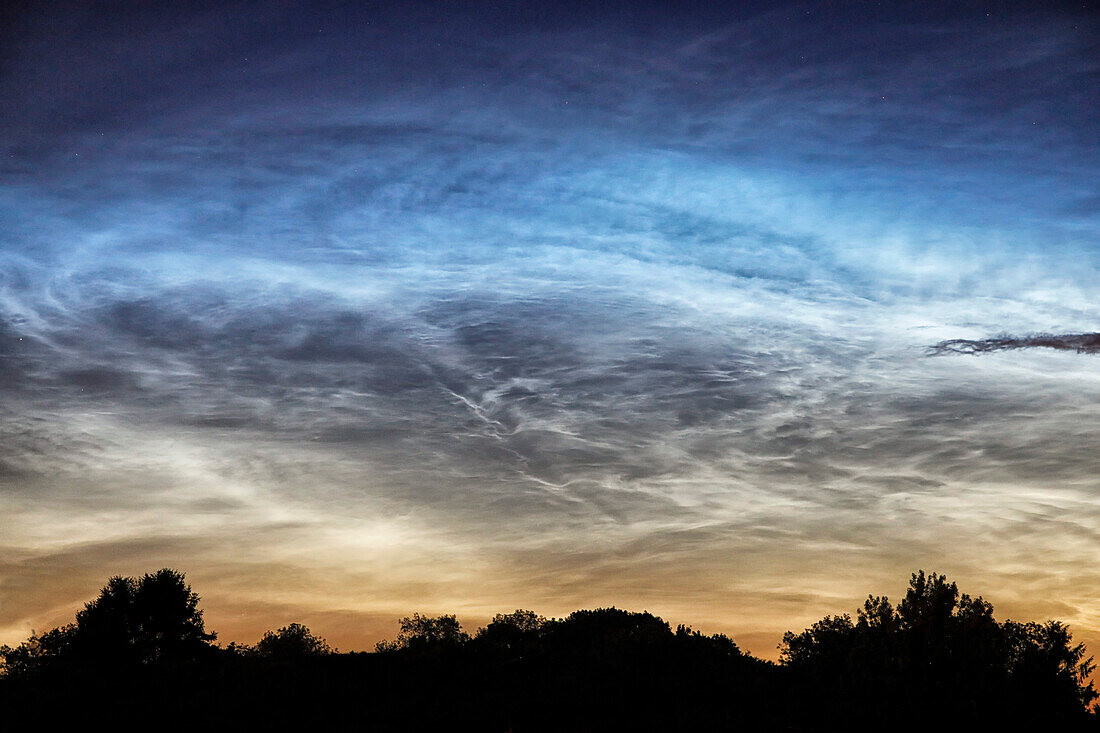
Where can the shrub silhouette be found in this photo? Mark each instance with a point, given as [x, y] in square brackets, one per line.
[37, 654]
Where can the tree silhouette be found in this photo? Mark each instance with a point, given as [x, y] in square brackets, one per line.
[938, 659]
[522, 621]
[142, 621]
[426, 632]
[290, 643]
[150, 619]
[937, 645]
[509, 631]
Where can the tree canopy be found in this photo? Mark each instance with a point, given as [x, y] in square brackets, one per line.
[154, 619]
[936, 652]
[426, 632]
[291, 643]
[148, 619]
[938, 644]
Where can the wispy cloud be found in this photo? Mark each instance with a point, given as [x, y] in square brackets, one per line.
[577, 312]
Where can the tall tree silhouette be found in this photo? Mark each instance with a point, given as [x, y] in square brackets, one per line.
[154, 618]
[151, 620]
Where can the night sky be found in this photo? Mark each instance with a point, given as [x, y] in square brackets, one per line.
[354, 310]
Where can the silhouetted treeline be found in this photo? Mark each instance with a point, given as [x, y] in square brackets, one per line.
[139, 656]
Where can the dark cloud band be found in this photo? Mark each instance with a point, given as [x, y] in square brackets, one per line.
[1082, 343]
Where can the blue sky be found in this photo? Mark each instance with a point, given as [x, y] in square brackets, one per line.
[354, 311]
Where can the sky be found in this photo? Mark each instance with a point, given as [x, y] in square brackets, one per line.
[734, 313]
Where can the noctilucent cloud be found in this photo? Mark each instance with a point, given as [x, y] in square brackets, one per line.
[721, 311]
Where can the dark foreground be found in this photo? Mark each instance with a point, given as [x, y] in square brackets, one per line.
[138, 657]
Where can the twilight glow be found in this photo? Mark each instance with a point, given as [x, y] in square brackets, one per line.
[358, 310]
